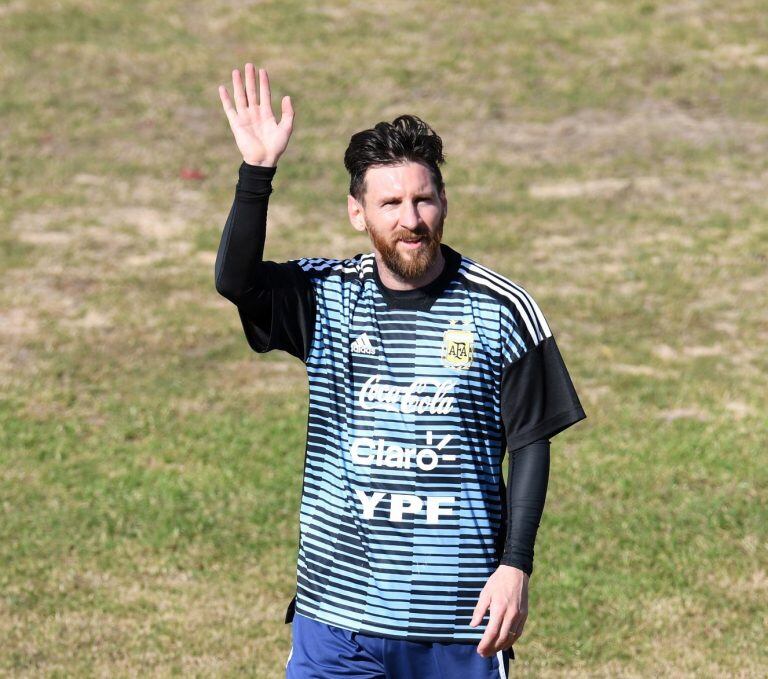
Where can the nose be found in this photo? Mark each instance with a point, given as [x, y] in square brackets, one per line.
[409, 215]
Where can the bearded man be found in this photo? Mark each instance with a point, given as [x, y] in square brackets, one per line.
[425, 368]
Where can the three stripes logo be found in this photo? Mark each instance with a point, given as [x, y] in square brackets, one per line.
[362, 345]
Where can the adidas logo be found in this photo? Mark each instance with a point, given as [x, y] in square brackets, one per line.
[362, 345]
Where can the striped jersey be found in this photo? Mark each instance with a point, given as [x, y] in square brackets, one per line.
[414, 397]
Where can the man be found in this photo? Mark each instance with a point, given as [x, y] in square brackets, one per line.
[423, 367]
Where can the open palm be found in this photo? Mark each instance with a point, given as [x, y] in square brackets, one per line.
[260, 138]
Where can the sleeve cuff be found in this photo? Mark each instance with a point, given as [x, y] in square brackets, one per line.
[548, 428]
[255, 178]
[517, 562]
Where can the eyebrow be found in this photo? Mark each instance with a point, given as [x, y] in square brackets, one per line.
[423, 194]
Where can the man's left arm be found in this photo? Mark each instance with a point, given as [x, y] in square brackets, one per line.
[506, 592]
[537, 401]
[526, 493]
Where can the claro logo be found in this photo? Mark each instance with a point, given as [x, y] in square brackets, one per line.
[420, 396]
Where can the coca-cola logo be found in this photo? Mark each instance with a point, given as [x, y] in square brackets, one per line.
[420, 396]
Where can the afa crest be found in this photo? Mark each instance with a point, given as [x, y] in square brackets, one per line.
[458, 348]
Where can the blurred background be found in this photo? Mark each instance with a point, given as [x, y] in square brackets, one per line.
[610, 158]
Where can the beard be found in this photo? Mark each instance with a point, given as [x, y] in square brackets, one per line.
[408, 265]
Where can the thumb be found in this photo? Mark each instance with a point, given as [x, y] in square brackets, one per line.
[286, 117]
[482, 606]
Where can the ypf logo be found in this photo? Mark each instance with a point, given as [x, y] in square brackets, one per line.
[458, 348]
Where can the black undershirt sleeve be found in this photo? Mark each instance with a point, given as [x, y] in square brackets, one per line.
[538, 401]
[525, 495]
[242, 242]
[275, 300]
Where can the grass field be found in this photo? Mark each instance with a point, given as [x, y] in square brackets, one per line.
[610, 160]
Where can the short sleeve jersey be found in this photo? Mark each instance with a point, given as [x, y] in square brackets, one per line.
[414, 396]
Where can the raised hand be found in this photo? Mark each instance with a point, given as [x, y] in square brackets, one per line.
[260, 138]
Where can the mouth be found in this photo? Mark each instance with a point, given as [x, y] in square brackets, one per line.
[411, 243]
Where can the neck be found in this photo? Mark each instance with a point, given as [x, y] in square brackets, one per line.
[394, 282]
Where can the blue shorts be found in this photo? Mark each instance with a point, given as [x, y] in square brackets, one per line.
[321, 651]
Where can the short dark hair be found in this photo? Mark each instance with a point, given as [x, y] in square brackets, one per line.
[406, 138]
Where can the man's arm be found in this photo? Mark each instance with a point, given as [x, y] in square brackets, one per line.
[506, 592]
[526, 494]
[537, 401]
[275, 301]
[242, 241]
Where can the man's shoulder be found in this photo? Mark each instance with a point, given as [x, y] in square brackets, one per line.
[484, 279]
[354, 267]
[517, 304]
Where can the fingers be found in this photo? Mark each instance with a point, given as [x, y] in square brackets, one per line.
[286, 114]
[508, 602]
[265, 95]
[258, 108]
[246, 97]
[480, 608]
[226, 103]
[491, 636]
[505, 638]
[241, 103]
[250, 88]
[515, 631]
[507, 628]
[505, 624]
[518, 630]
[485, 647]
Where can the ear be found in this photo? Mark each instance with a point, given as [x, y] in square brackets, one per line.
[355, 211]
[444, 201]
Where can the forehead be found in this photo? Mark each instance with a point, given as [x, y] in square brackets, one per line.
[398, 180]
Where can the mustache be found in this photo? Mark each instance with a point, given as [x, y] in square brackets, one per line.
[412, 236]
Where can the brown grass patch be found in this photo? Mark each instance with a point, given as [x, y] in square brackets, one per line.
[598, 133]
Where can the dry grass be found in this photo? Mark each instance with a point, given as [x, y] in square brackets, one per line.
[612, 162]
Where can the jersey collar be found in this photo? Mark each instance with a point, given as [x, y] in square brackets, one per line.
[422, 298]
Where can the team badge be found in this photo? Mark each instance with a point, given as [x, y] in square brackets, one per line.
[457, 348]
